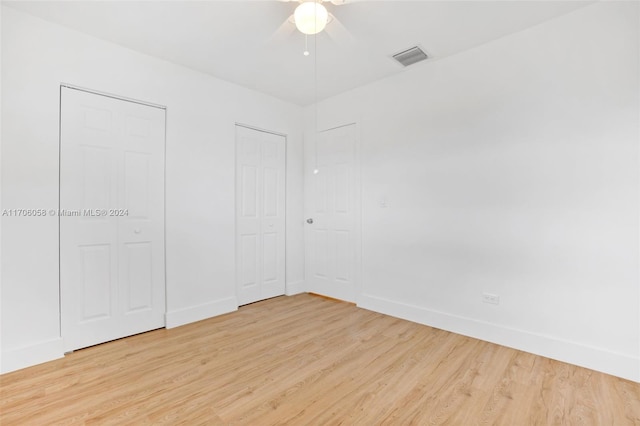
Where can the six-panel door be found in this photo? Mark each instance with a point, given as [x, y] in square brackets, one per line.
[331, 202]
[112, 277]
[260, 215]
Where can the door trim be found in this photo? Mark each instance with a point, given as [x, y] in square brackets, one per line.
[111, 95]
[259, 129]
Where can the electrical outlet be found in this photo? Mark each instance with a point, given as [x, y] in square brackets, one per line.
[492, 299]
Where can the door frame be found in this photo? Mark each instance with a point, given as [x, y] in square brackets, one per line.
[309, 155]
[164, 189]
[235, 200]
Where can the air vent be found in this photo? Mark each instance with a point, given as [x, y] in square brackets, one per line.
[410, 56]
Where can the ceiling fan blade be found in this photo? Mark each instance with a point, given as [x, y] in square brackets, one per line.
[339, 33]
[341, 2]
[282, 33]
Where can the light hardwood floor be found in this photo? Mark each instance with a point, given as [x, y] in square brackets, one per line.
[307, 360]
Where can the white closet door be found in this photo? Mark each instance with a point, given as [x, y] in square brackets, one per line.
[112, 279]
[260, 215]
[331, 206]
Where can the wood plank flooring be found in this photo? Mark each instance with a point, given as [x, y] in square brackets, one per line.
[307, 360]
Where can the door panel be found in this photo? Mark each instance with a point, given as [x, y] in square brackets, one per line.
[249, 191]
[139, 276]
[112, 230]
[96, 173]
[343, 250]
[332, 257]
[96, 282]
[320, 243]
[271, 186]
[260, 215]
[249, 260]
[137, 172]
[270, 257]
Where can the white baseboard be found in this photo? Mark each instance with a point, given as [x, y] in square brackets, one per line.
[598, 359]
[200, 312]
[296, 287]
[27, 356]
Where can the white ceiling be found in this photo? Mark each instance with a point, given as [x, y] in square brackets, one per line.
[251, 43]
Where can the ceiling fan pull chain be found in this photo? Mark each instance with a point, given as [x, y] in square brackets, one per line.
[306, 46]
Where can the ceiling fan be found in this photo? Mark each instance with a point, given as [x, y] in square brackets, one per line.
[311, 16]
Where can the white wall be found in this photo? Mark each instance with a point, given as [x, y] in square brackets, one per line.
[511, 169]
[201, 114]
[0, 194]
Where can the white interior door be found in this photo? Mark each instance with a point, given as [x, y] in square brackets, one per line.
[112, 279]
[260, 215]
[332, 200]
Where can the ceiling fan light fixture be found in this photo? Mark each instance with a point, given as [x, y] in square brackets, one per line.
[311, 17]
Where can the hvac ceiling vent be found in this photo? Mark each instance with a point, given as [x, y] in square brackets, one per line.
[410, 56]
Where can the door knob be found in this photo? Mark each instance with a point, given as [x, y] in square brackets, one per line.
[137, 230]
[310, 221]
